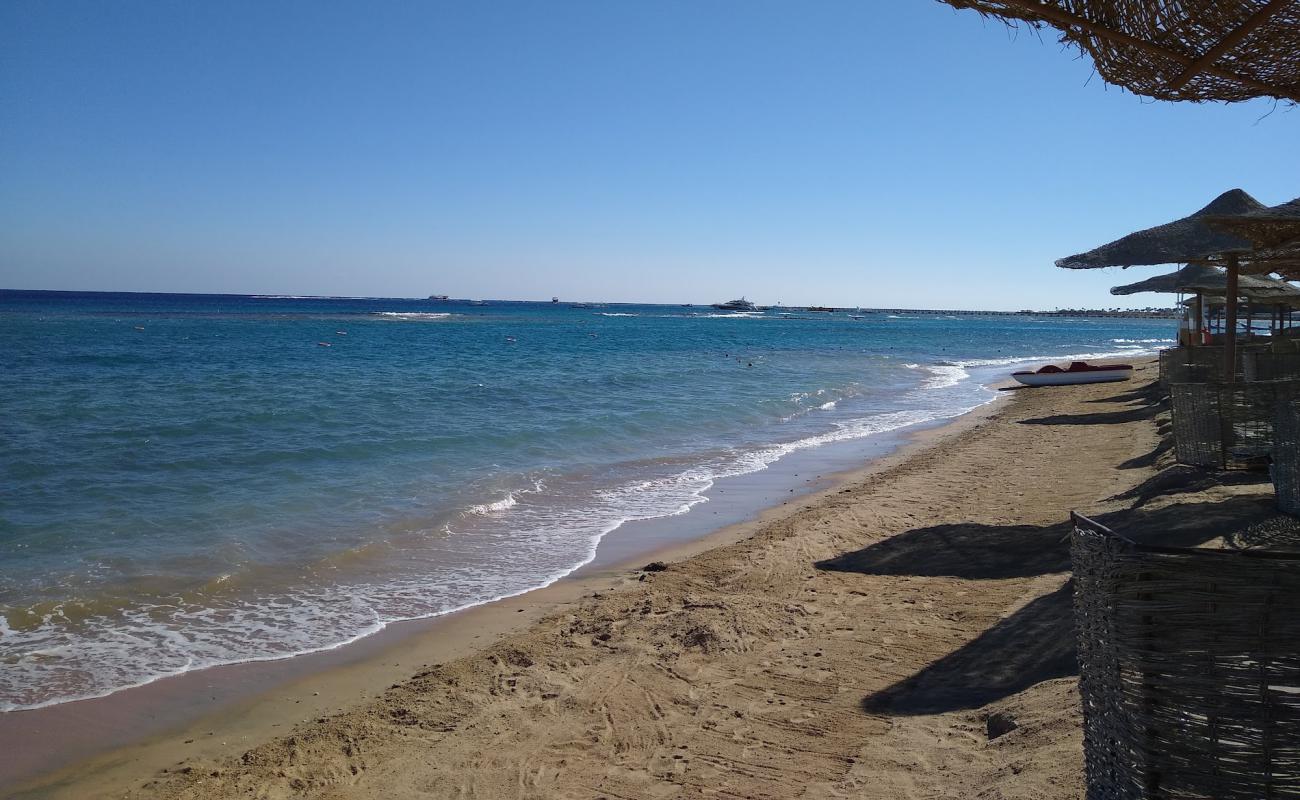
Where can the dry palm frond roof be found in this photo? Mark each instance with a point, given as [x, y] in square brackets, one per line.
[1196, 50]
[1283, 262]
[1180, 241]
[1276, 227]
[1201, 277]
[1211, 300]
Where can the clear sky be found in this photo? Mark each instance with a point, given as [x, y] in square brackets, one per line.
[855, 152]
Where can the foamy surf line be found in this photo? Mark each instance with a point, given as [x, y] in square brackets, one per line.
[413, 315]
[604, 511]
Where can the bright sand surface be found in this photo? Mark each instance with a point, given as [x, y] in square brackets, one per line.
[851, 644]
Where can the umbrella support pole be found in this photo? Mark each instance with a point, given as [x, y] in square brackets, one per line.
[1230, 322]
[1198, 311]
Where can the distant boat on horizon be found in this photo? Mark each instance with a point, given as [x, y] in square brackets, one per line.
[438, 297]
[555, 299]
[735, 305]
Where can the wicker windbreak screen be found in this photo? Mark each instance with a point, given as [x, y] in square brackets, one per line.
[1204, 364]
[1189, 669]
[1224, 425]
[1265, 365]
[1191, 364]
[1286, 455]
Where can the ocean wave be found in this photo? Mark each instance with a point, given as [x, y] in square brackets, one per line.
[1142, 341]
[413, 315]
[615, 314]
[506, 503]
[942, 376]
[827, 406]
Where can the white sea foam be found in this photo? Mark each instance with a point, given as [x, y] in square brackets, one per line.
[827, 406]
[412, 315]
[942, 376]
[1142, 341]
[504, 504]
[615, 314]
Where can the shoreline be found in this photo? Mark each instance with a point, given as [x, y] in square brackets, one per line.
[220, 709]
[855, 643]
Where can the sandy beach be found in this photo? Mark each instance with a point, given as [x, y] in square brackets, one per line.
[903, 634]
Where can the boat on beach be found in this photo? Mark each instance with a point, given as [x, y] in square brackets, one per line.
[1077, 372]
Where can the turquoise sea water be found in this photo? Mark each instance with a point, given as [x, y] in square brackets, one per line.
[190, 480]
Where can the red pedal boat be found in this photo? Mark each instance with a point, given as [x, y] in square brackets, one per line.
[1078, 372]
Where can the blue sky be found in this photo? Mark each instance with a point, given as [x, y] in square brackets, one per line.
[883, 153]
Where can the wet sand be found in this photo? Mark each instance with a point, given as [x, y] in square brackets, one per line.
[852, 643]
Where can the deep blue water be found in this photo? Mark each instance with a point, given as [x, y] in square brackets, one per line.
[190, 480]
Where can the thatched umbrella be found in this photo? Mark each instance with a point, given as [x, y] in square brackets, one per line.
[1180, 241]
[1196, 50]
[1210, 280]
[1284, 260]
[1274, 231]
[1189, 239]
[1206, 302]
[1203, 279]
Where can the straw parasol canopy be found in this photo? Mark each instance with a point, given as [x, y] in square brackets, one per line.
[1212, 280]
[1285, 264]
[1229, 50]
[1212, 300]
[1180, 241]
[1276, 227]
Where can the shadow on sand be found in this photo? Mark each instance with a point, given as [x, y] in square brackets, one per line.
[1183, 479]
[1036, 643]
[1148, 399]
[1099, 418]
[1032, 645]
[967, 550]
[1148, 392]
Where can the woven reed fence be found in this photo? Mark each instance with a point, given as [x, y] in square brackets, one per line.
[1185, 365]
[1189, 669]
[1286, 454]
[1205, 364]
[1225, 425]
[1265, 365]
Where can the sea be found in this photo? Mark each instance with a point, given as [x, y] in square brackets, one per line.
[195, 480]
